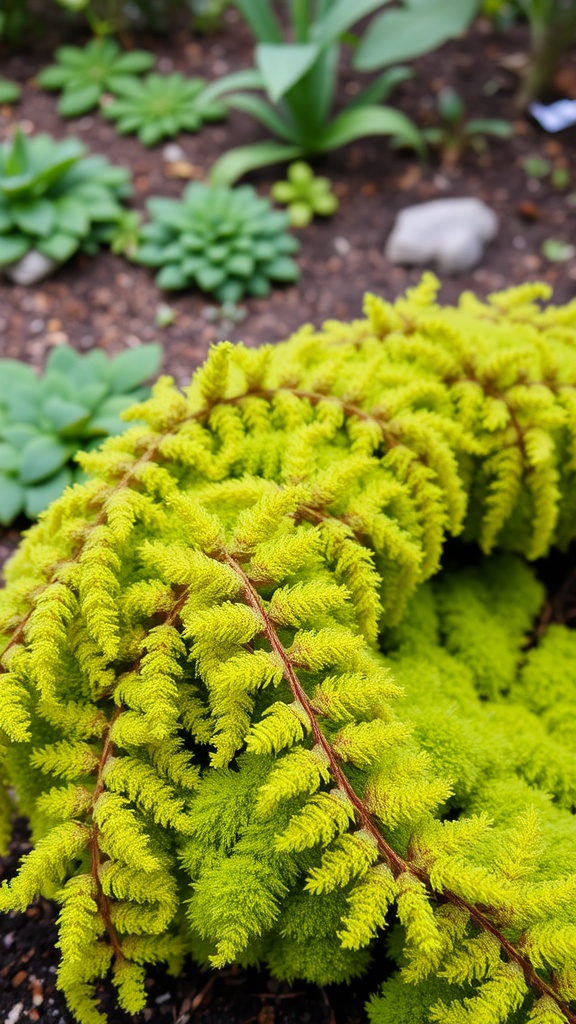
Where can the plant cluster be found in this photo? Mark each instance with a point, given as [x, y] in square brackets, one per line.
[55, 199]
[456, 133]
[45, 420]
[85, 74]
[304, 195]
[160, 106]
[226, 241]
[299, 78]
[202, 650]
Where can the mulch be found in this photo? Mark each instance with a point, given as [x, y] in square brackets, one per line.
[109, 303]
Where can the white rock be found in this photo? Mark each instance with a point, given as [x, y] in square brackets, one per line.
[172, 153]
[451, 233]
[32, 268]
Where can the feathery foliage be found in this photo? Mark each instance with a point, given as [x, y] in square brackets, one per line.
[243, 725]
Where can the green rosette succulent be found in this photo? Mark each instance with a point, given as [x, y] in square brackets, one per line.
[84, 74]
[161, 106]
[55, 199]
[305, 195]
[45, 420]
[226, 241]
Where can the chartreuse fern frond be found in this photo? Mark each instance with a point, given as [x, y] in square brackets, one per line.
[221, 582]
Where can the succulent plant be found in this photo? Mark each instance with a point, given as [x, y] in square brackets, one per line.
[305, 195]
[226, 241]
[160, 106]
[84, 74]
[9, 91]
[45, 420]
[55, 199]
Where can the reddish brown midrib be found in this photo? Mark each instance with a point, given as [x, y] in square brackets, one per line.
[396, 863]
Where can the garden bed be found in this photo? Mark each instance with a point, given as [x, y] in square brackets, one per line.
[111, 303]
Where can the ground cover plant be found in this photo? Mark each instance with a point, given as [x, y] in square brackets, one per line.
[85, 74]
[56, 199]
[160, 106]
[45, 420]
[228, 242]
[203, 646]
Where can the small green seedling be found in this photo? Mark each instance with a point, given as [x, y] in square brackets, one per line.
[456, 133]
[125, 237]
[536, 167]
[558, 251]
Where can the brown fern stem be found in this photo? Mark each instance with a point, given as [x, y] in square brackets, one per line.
[394, 861]
[96, 862]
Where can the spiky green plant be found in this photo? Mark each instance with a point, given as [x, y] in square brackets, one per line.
[55, 199]
[213, 754]
[45, 420]
[160, 106]
[304, 195]
[226, 241]
[83, 75]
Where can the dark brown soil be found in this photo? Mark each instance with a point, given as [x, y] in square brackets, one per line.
[110, 303]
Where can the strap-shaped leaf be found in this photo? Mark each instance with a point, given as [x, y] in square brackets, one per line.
[364, 121]
[408, 32]
[284, 64]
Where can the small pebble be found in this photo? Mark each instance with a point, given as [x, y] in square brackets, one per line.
[342, 246]
[14, 1014]
[172, 153]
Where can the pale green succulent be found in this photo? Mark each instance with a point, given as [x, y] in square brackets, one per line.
[84, 74]
[305, 195]
[161, 106]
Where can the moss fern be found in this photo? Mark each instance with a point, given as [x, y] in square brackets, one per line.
[233, 580]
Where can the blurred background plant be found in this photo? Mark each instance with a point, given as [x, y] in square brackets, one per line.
[552, 34]
[45, 420]
[56, 199]
[297, 68]
[456, 133]
[84, 74]
[304, 195]
[161, 106]
[9, 91]
[108, 17]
